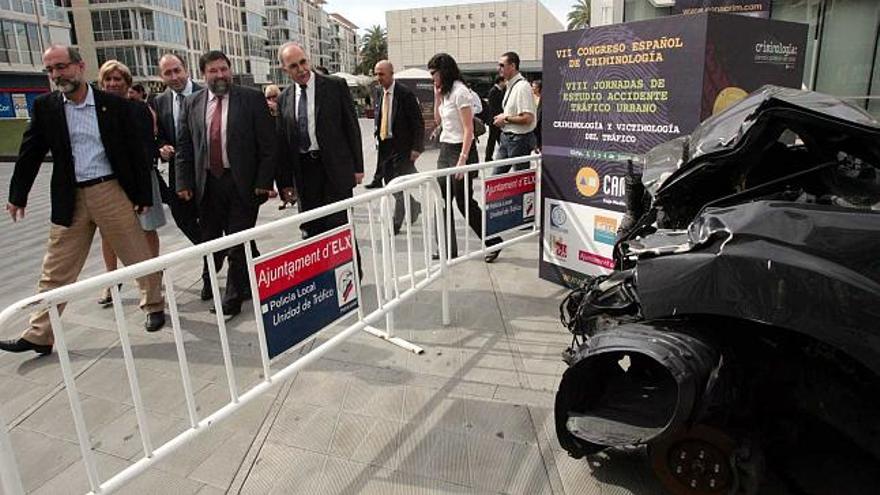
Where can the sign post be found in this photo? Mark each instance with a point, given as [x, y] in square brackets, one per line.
[306, 287]
[510, 201]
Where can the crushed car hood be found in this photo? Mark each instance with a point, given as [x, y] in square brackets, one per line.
[727, 144]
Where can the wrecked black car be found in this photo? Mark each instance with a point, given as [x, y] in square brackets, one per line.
[745, 303]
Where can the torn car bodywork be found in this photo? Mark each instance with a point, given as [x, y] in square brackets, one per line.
[747, 273]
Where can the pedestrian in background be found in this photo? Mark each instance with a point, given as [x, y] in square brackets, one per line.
[114, 77]
[537, 87]
[454, 114]
[271, 93]
[100, 179]
[168, 107]
[137, 92]
[495, 97]
[226, 163]
[400, 131]
[517, 117]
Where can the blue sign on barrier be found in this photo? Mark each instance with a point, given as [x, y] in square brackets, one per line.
[510, 201]
[306, 287]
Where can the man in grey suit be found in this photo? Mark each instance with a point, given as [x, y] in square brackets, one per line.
[168, 107]
[225, 163]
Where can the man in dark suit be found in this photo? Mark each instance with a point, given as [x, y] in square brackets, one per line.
[496, 97]
[320, 139]
[225, 163]
[400, 131]
[168, 106]
[100, 179]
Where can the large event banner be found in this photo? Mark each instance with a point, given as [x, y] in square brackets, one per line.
[754, 8]
[619, 91]
[305, 287]
[614, 92]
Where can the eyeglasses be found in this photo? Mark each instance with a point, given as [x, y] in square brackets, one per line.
[502, 64]
[57, 67]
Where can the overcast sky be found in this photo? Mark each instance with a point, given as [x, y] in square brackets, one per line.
[366, 13]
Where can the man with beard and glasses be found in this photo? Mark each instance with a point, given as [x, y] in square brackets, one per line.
[225, 163]
[100, 179]
[168, 106]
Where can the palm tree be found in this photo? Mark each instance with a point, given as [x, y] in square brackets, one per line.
[374, 47]
[579, 17]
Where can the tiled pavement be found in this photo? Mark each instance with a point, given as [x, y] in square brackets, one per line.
[473, 414]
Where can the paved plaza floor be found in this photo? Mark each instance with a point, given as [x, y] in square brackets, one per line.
[473, 414]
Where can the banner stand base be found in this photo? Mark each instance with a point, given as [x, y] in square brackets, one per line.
[394, 340]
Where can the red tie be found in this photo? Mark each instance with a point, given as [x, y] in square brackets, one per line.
[216, 140]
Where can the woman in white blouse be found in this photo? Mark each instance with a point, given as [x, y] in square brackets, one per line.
[454, 114]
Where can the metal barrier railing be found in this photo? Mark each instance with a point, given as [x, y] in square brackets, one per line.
[396, 288]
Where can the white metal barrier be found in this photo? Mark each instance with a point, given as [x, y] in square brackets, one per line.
[392, 290]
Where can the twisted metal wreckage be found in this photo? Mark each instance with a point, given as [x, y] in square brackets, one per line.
[745, 301]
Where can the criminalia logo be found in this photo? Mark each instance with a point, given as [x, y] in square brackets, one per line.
[604, 229]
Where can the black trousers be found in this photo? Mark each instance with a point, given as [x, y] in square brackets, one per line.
[449, 153]
[393, 164]
[318, 189]
[223, 211]
[494, 136]
[186, 216]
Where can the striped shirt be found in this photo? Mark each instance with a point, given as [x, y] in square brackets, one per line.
[89, 157]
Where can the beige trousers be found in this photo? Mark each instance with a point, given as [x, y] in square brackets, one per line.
[106, 207]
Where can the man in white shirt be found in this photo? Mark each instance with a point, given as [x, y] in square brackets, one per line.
[517, 119]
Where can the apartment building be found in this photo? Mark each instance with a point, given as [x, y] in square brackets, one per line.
[26, 28]
[137, 33]
[344, 47]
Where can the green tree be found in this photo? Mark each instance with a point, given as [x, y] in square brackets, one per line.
[374, 47]
[579, 16]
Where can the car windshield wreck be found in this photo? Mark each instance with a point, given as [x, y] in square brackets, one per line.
[745, 301]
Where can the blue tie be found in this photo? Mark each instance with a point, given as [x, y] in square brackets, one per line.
[302, 120]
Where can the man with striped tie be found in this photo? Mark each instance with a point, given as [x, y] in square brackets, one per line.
[100, 179]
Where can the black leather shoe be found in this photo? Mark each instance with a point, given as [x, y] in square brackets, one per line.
[376, 184]
[155, 321]
[229, 311]
[21, 345]
[207, 294]
[492, 256]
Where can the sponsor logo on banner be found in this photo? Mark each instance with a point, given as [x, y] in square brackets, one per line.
[596, 259]
[560, 247]
[558, 217]
[587, 181]
[604, 229]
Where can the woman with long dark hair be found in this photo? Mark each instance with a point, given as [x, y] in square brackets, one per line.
[454, 114]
